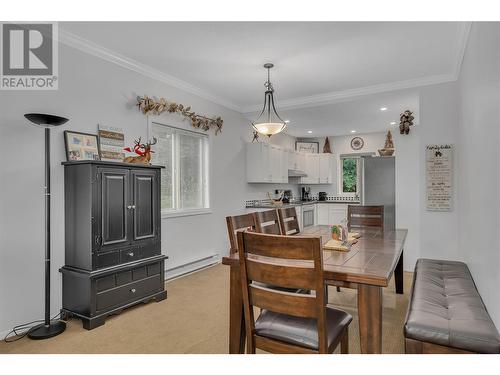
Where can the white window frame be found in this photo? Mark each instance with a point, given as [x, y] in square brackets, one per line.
[176, 211]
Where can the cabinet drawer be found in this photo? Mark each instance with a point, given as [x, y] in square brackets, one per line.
[129, 255]
[128, 292]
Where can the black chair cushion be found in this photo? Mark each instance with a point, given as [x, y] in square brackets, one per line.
[300, 331]
[446, 309]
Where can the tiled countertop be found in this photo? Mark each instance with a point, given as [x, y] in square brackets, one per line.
[268, 204]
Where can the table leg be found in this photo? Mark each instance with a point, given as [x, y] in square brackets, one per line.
[370, 318]
[398, 275]
[236, 317]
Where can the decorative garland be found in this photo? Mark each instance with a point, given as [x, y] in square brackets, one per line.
[148, 105]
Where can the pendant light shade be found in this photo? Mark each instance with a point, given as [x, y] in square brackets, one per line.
[269, 122]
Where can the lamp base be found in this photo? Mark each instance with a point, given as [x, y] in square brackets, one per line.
[47, 331]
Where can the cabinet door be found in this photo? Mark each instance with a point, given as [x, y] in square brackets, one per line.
[292, 159]
[337, 214]
[312, 169]
[275, 163]
[284, 165]
[325, 168]
[301, 161]
[323, 214]
[144, 204]
[112, 208]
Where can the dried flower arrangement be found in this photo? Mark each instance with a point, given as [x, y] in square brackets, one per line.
[148, 105]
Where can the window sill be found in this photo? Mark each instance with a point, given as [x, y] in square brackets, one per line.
[203, 211]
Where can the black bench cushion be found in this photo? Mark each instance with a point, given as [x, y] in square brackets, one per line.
[446, 309]
[300, 331]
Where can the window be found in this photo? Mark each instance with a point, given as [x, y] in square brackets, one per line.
[350, 174]
[184, 180]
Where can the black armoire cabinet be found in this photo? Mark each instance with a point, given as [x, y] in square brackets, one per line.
[113, 239]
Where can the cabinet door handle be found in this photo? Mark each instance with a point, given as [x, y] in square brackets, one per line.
[131, 254]
[129, 207]
[132, 290]
[132, 207]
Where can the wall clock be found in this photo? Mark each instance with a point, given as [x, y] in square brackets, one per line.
[357, 143]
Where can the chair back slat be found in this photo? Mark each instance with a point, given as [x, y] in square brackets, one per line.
[295, 304]
[267, 222]
[289, 221]
[365, 216]
[282, 275]
[236, 223]
[284, 247]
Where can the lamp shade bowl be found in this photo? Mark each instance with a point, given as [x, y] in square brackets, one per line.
[45, 119]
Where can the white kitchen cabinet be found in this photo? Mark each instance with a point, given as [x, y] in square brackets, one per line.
[311, 169]
[326, 168]
[322, 213]
[319, 169]
[266, 163]
[300, 160]
[331, 213]
[337, 213]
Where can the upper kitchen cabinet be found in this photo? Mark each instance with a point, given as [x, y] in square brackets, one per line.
[326, 168]
[266, 163]
[319, 169]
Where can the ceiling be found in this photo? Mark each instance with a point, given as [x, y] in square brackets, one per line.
[316, 63]
[363, 115]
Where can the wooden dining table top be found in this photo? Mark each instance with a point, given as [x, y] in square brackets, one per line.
[371, 260]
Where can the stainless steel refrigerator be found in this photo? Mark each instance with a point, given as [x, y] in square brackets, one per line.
[378, 185]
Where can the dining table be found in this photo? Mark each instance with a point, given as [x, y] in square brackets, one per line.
[367, 267]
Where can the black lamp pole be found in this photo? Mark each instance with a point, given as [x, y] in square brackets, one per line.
[47, 329]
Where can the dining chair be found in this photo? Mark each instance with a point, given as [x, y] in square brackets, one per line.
[267, 222]
[365, 216]
[235, 223]
[288, 322]
[289, 221]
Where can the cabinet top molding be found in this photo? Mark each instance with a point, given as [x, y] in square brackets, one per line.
[111, 163]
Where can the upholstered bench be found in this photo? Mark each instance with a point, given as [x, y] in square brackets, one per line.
[446, 313]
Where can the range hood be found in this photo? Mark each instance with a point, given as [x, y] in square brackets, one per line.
[296, 173]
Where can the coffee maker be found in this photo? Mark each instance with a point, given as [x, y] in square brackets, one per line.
[306, 193]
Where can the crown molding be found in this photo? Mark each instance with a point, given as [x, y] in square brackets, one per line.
[463, 39]
[84, 45]
[97, 50]
[338, 96]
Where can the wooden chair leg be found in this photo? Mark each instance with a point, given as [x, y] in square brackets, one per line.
[344, 343]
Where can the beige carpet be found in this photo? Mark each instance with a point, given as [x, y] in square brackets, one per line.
[194, 319]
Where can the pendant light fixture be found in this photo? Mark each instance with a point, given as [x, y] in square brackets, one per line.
[269, 122]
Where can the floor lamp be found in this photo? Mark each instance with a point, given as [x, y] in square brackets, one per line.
[48, 328]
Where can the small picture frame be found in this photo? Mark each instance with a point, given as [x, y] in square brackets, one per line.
[307, 147]
[81, 146]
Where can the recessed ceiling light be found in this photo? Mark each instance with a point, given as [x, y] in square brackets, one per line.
[393, 122]
[309, 131]
[287, 121]
[383, 108]
[353, 131]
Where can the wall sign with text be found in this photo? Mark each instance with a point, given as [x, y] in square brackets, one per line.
[439, 175]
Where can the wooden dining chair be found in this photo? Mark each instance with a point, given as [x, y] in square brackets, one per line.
[236, 223]
[289, 221]
[267, 222]
[365, 216]
[288, 322]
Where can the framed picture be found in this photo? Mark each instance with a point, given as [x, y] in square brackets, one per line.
[81, 146]
[309, 147]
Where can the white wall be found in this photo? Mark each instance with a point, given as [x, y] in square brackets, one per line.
[479, 158]
[93, 91]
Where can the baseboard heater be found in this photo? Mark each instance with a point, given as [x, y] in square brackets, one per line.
[191, 266]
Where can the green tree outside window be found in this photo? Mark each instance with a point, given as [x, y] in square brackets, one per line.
[349, 175]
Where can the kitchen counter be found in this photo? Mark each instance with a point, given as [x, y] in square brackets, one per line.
[264, 204]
